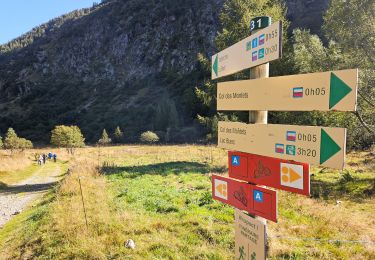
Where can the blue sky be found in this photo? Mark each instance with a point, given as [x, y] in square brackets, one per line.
[20, 16]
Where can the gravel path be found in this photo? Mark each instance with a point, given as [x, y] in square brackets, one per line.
[14, 198]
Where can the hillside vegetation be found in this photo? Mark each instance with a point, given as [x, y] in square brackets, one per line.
[136, 65]
[160, 196]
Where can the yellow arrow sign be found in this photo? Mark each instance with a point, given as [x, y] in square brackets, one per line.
[324, 91]
[261, 47]
[310, 144]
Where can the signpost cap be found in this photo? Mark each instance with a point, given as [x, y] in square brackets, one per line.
[260, 22]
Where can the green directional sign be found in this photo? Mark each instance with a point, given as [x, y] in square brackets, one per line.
[323, 91]
[328, 147]
[215, 67]
[338, 90]
[309, 144]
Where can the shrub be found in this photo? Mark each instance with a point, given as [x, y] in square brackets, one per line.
[13, 142]
[149, 137]
[1, 142]
[69, 137]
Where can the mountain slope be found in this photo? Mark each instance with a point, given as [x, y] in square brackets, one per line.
[131, 63]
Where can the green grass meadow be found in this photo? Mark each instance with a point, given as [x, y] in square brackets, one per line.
[160, 196]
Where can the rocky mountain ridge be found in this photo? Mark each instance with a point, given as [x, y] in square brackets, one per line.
[131, 63]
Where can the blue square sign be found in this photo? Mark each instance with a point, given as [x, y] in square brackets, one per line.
[258, 196]
[235, 160]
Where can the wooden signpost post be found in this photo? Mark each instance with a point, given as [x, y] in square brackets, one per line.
[276, 156]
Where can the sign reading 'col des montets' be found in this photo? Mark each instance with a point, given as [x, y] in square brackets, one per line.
[261, 47]
[323, 91]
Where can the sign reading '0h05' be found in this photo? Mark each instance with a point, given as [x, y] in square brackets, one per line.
[261, 47]
[272, 172]
[241, 195]
[324, 91]
[311, 144]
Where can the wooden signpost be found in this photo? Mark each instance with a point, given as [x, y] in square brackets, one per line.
[242, 195]
[276, 156]
[312, 144]
[261, 47]
[272, 172]
[324, 91]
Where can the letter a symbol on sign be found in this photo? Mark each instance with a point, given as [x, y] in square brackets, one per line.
[235, 160]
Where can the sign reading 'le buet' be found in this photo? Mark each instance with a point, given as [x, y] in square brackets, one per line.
[261, 47]
[250, 237]
[324, 91]
[268, 171]
[241, 195]
[311, 144]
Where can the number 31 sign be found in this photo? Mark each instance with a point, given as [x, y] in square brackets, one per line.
[260, 22]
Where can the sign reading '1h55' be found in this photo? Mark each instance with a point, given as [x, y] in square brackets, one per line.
[261, 47]
[312, 144]
[336, 90]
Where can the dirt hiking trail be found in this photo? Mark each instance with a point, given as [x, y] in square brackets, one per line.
[14, 198]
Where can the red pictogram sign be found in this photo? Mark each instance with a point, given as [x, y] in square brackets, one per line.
[255, 200]
[273, 172]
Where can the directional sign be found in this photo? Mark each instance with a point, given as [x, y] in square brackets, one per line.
[333, 90]
[250, 237]
[255, 200]
[272, 172]
[261, 47]
[311, 144]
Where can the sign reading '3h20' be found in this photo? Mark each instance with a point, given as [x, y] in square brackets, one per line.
[261, 47]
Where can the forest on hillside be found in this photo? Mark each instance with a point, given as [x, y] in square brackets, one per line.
[106, 67]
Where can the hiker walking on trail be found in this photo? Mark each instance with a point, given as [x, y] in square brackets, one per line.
[44, 158]
[50, 156]
[54, 157]
[40, 160]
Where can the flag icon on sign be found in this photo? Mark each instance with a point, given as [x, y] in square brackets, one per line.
[279, 148]
[261, 53]
[254, 56]
[221, 189]
[291, 136]
[254, 43]
[261, 39]
[291, 175]
[298, 92]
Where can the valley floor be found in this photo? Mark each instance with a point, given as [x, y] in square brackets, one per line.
[160, 196]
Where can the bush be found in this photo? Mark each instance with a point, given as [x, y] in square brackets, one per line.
[149, 137]
[1, 142]
[69, 137]
[13, 142]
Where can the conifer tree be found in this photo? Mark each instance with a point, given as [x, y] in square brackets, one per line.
[104, 140]
[118, 135]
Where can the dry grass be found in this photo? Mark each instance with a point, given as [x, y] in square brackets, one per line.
[160, 197]
[14, 162]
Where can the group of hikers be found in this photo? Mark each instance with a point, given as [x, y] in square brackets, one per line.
[43, 158]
